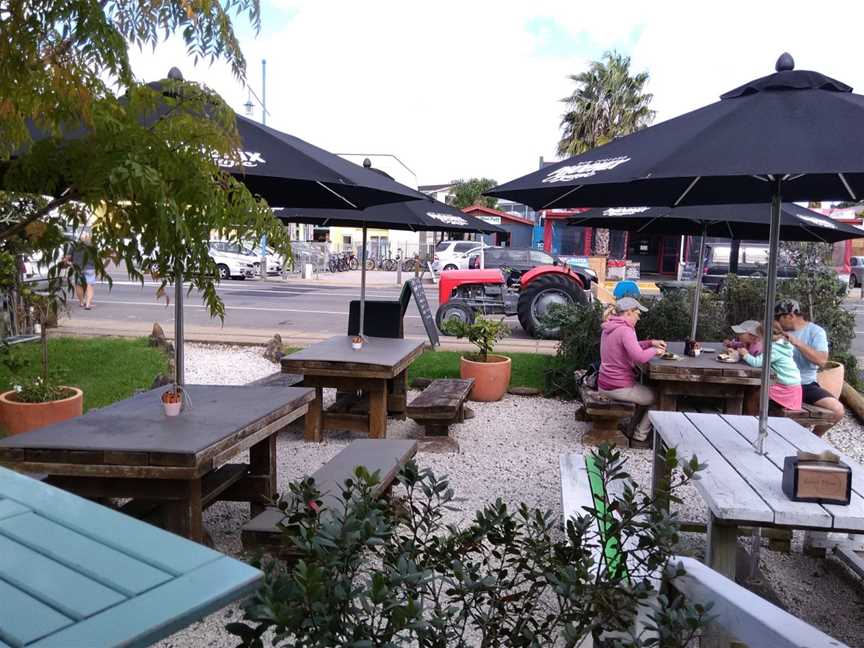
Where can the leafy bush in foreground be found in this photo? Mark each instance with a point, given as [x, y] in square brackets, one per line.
[396, 574]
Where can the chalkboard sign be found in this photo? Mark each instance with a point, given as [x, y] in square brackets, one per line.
[425, 311]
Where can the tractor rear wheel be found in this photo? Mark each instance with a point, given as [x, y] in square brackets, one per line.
[541, 295]
[455, 309]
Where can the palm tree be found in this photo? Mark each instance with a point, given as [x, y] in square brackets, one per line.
[607, 103]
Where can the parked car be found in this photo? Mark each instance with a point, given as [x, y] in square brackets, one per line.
[856, 271]
[231, 262]
[453, 255]
[715, 273]
[274, 261]
[522, 260]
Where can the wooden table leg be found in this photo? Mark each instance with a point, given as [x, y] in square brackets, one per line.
[751, 401]
[397, 397]
[734, 404]
[378, 411]
[262, 467]
[667, 402]
[313, 417]
[184, 515]
[722, 544]
[720, 556]
[660, 475]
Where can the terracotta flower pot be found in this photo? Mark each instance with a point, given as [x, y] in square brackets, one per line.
[17, 417]
[830, 378]
[491, 378]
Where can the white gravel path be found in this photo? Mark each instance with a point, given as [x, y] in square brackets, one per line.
[510, 450]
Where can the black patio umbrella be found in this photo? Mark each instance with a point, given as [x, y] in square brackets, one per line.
[795, 135]
[426, 215]
[744, 222]
[284, 170]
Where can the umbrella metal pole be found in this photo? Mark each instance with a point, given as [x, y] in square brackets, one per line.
[363, 286]
[179, 367]
[700, 269]
[768, 321]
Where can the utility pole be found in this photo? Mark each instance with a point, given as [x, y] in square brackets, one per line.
[264, 121]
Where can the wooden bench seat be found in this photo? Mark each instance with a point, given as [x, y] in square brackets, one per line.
[605, 413]
[385, 456]
[440, 404]
[809, 415]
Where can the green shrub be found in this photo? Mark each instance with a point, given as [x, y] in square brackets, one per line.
[669, 317]
[579, 347]
[744, 299]
[850, 371]
[818, 291]
[482, 333]
[381, 575]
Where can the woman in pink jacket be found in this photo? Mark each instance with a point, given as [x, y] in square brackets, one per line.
[620, 352]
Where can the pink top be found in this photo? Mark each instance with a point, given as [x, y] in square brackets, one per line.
[754, 348]
[620, 352]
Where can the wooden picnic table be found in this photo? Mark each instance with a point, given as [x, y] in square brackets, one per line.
[704, 376]
[742, 487]
[74, 573]
[175, 465]
[379, 370]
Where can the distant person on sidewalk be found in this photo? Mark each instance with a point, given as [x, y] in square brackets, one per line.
[811, 353]
[785, 390]
[620, 352]
[82, 258]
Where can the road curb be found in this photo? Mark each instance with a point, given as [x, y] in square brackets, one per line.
[259, 337]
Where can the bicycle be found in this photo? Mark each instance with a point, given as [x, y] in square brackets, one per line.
[351, 260]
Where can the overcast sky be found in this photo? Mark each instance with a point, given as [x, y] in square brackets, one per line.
[472, 87]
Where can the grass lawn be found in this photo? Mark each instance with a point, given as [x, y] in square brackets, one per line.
[107, 369]
[528, 368]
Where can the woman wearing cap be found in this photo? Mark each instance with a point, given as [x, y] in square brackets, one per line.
[620, 352]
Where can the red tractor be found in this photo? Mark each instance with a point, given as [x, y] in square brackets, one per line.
[462, 294]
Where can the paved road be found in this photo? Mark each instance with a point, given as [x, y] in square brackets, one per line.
[269, 306]
[295, 309]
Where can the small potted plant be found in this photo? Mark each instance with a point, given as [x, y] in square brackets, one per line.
[491, 373]
[172, 400]
[38, 401]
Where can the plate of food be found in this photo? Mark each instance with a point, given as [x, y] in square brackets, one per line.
[670, 356]
[727, 357]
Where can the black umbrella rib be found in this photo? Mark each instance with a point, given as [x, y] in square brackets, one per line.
[336, 193]
[687, 190]
[846, 184]
[561, 197]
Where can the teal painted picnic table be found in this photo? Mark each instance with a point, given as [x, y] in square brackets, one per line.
[75, 574]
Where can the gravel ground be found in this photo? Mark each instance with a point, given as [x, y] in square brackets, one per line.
[510, 450]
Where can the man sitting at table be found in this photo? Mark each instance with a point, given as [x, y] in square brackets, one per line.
[620, 352]
[811, 353]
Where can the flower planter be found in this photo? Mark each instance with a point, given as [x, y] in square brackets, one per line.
[172, 401]
[830, 378]
[491, 378]
[17, 417]
[172, 409]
